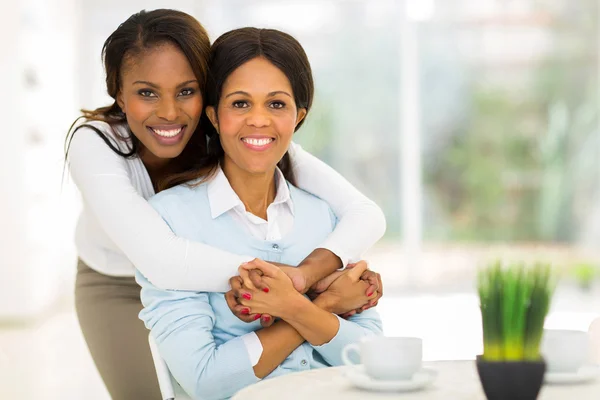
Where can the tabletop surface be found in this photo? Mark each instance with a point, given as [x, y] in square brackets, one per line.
[455, 380]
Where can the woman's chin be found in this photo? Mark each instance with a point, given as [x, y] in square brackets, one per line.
[167, 152]
[261, 169]
[249, 166]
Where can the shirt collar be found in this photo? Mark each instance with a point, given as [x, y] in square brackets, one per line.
[282, 196]
[223, 198]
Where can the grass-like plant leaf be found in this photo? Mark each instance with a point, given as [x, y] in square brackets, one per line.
[514, 300]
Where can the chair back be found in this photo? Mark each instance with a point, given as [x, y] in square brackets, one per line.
[169, 388]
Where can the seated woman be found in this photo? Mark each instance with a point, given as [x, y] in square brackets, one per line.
[244, 201]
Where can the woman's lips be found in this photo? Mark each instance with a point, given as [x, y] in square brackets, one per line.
[167, 134]
[258, 143]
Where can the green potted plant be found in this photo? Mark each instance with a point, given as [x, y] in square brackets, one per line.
[514, 300]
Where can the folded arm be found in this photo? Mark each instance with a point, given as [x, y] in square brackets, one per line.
[352, 330]
[182, 324]
[104, 180]
[315, 321]
[361, 222]
[326, 332]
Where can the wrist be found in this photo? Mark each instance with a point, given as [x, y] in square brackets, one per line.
[310, 277]
[324, 302]
[309, 269]
[297, 305]
[319, 264]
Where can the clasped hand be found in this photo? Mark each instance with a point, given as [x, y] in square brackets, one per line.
[267, 291]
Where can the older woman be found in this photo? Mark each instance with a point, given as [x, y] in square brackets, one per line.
[243, 200]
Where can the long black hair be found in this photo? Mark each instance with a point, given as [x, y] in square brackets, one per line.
[141, 32]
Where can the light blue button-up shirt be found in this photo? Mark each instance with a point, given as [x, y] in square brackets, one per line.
[197, 335]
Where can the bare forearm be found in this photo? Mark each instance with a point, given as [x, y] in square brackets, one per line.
[316, 325]
[278, 341]
[319, 264]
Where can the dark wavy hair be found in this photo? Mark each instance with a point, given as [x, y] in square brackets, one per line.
[230, 51]
[141, 32]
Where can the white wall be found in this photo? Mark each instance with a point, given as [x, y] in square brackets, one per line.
[98, 20]
[37, 254]
[12, 231]
[50, 67]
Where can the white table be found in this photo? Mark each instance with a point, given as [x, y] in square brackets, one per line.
[457, 380]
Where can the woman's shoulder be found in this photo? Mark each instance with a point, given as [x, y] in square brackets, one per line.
[180, 194]
[114, 129]
[307, 204]
[117, 133]
[309, 199]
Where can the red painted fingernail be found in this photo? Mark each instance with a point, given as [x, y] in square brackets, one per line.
[369, 294]
[247, 296]
[266, 290]
[257, 316]
[266, 318]
[245, 311]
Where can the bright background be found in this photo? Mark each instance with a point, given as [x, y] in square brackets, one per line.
[473, 124]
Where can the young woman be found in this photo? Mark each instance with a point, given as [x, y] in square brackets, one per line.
[149, 139]
[259, 93]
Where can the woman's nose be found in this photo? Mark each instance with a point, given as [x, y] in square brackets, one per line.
[258, 117]
[167, 110]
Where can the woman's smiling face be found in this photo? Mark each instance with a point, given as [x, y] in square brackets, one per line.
[161, 99]
[256, 116]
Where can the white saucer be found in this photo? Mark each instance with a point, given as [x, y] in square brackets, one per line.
[359, 378]
[585, 374]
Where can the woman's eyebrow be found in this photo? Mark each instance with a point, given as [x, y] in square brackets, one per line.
[188, 82]
[237, 92]
[157, 87]
[271, 94]
[279, 92]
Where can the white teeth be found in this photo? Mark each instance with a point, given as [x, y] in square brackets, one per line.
[169, 133]
[258, 142]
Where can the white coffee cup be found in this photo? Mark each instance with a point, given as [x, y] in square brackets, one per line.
[387, 358]
[565, 350]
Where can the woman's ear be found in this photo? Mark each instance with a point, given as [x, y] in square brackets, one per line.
[211, 113]
[301, 114]
[120, 101]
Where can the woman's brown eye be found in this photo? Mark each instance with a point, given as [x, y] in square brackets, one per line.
[145, 93]
[187, 92]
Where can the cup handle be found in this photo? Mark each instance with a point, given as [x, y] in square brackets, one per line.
[346, 352]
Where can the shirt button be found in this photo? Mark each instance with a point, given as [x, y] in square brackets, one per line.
[275, 246]
[304, 362]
